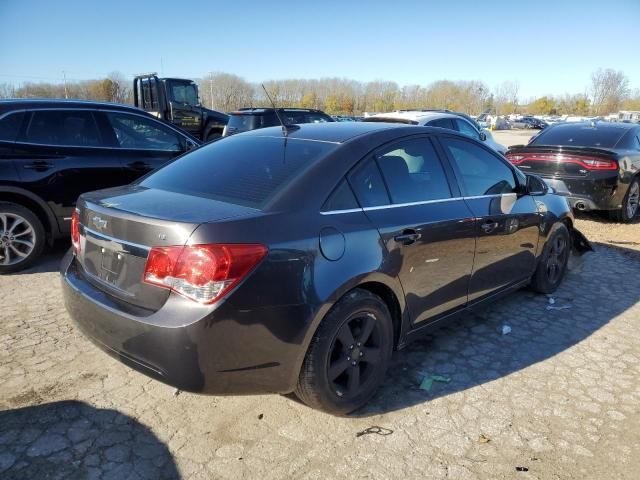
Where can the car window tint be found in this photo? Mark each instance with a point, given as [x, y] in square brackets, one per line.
[441, 123]
[481, 172]
[63, 127]
[466, 129]
[413, 172]
[9, 126]
[135, 131]
[242, 170]
[341, 198]
[368, 185]
[317, 118]
[580, 135]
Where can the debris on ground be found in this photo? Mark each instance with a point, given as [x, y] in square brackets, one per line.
[483, 438]
[553, 307]
[427, 381]
[522, 469]
[505, 329]
[176, 392]
[552, 300]
[375, 430]
[261, 416]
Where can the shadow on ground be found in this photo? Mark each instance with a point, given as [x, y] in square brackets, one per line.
[49, 262]
[472, 351]
[73, 440]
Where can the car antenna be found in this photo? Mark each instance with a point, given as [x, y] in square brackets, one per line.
[285, 127]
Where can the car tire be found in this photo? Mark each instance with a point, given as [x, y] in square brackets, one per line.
[629, 204]
[348, 356]
[553, 262]
[22, 237]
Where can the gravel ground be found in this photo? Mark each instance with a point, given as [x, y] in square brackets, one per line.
[558, 396]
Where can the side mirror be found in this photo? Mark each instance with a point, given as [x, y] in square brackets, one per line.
[536, 186]
[483, 136]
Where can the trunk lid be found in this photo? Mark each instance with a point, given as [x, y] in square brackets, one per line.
[561, 161]
[118, 227]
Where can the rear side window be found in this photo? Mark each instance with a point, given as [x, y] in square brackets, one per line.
[10, 125]
[580, 135]
[441, 123]
[242, 170]
[340, 199]
[242, 123]
[137, 132]
[76, 128]
[413, 172]
[368, 185]
[481, 172]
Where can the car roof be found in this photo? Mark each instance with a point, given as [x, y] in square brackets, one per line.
[27, 103]
[251, 110]
[335, 132]
[415, 115]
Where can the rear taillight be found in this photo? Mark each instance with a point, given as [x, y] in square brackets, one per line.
[204, 273]
[590, 163]
[75, 231]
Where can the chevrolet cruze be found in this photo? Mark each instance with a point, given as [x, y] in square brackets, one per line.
[297, 259]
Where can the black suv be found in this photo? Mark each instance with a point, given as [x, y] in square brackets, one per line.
[51, 151]
[247, 119]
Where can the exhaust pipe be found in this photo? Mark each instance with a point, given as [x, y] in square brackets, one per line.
[580, 206]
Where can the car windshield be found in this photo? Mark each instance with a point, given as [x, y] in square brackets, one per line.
[580, 135]
[184, 93]
[239, 169]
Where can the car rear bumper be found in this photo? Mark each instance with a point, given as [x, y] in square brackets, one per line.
[194, 348]
[602, 193]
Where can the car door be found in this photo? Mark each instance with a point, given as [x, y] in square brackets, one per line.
[141, 143]
[508, 222]
[425, 225]
[60, 154]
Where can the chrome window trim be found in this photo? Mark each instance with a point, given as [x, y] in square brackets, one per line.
[411, 204]
[39, 109]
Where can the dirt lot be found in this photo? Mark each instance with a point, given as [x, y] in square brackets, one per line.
[558, 397]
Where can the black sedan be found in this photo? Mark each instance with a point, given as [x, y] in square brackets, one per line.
[596, 165]
[297, 262]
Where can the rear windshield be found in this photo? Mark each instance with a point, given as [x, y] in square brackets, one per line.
[244, 170]
[580, 136]
[242, 123]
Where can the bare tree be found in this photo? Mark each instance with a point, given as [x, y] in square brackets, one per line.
[7, 90]
[227, 92]
[608, 90]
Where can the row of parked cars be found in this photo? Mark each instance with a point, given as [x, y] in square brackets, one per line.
[292, 258]
[51, 151]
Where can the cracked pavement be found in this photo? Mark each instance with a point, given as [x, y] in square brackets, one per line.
[558, 397]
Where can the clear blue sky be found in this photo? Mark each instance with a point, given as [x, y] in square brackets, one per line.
[548, 46]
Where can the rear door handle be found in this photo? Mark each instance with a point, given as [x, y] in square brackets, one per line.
[489, 226]
[38, 165]
[407, 237]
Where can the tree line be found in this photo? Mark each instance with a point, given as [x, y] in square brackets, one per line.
[608, 92]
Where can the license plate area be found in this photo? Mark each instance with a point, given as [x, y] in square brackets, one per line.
[111, 265]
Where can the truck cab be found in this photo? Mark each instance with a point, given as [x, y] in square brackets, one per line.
[176, 101]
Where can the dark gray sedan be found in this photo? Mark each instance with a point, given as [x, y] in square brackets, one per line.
[297, 261]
